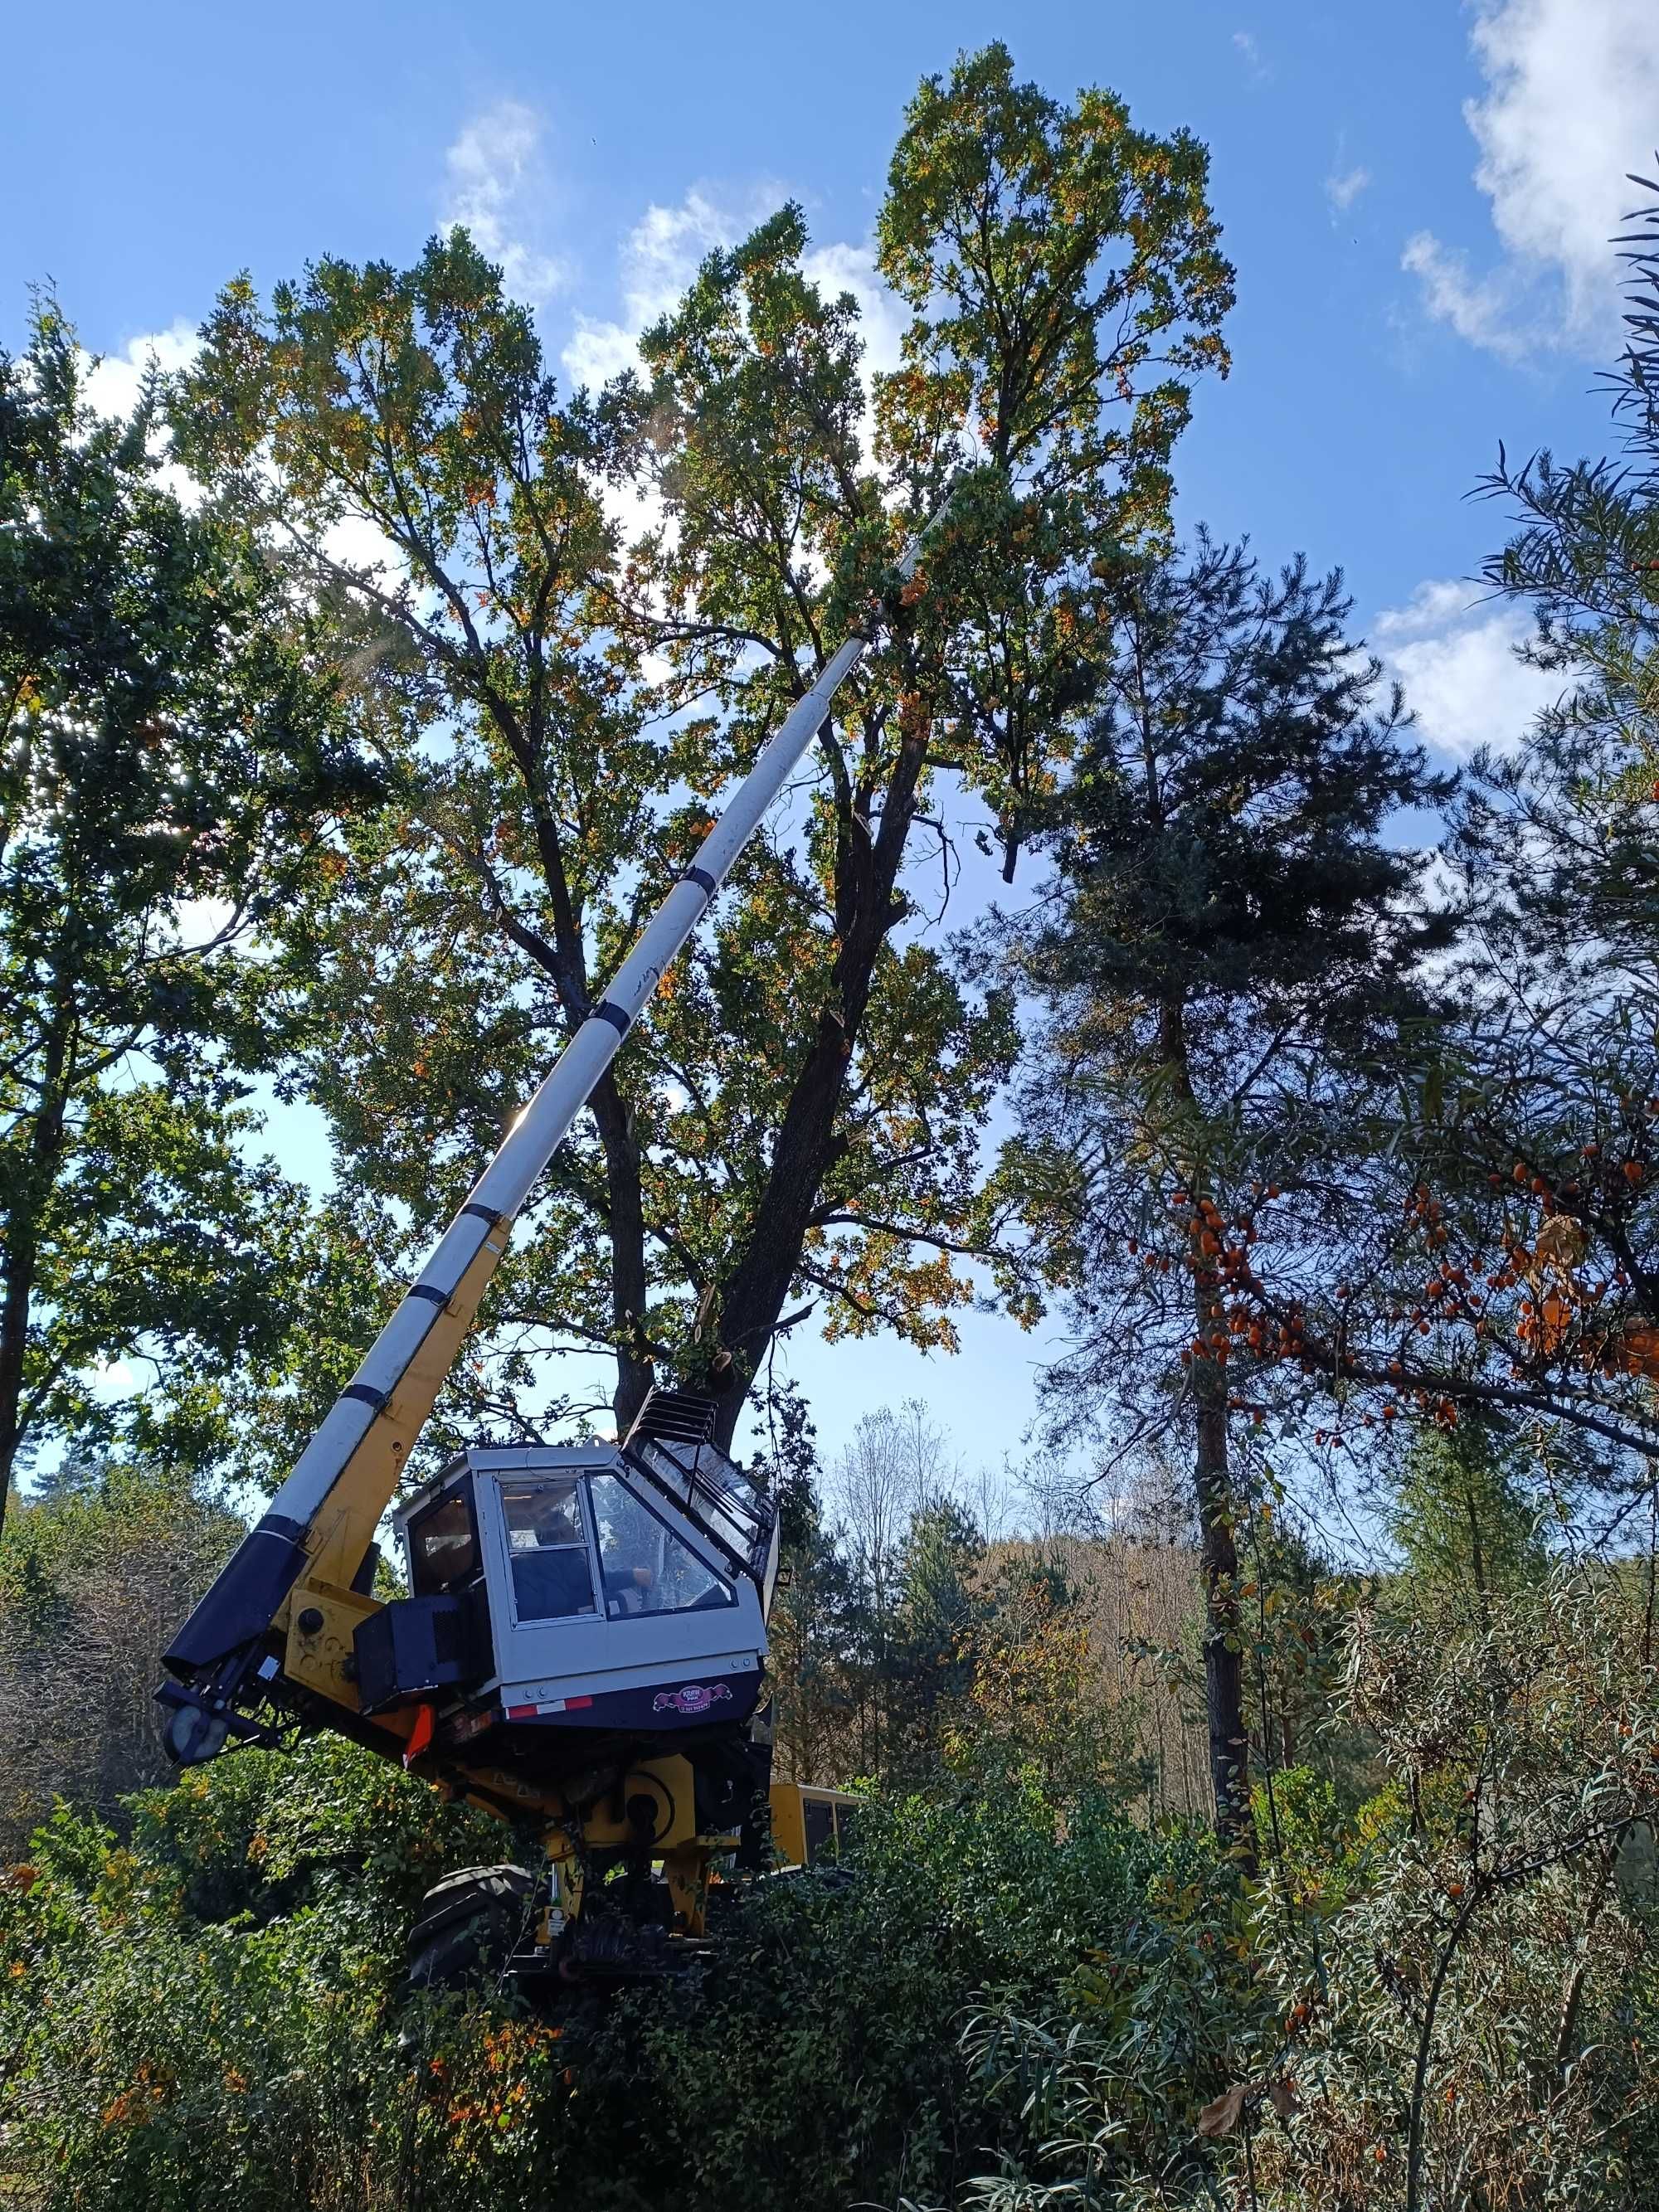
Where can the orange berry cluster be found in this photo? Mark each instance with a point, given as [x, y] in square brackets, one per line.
[1217, 1256]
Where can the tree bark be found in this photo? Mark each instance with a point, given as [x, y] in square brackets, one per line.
[22, 1254]
[1224, 1662]
[13, 1341]
[866, 873]
[627, 1226]
[1212, 1494]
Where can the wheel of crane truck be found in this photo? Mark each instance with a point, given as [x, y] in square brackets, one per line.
[470, 1923]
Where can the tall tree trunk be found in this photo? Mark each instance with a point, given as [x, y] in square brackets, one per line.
[867, 866]
[1224, 1662]
[22, 1222]
[13, 1339]
[1212, 1494]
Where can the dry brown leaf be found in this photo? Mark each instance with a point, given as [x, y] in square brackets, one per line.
[1281, 2095]
[1221, 2117]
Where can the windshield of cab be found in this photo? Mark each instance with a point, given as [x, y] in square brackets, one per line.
[644, 1567]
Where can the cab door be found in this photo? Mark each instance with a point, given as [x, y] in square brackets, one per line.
[545, 1587]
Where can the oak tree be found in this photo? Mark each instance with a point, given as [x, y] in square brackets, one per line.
[797, 1125]
[1499, 1249]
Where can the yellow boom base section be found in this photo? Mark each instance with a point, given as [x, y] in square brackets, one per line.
[366, 1484]
[607, 1822]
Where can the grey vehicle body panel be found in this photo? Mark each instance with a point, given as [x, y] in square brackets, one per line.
[592, 1654]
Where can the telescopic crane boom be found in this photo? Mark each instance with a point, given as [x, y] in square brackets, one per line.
[609, 1573]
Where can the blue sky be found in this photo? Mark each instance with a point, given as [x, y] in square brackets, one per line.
[1416, 198]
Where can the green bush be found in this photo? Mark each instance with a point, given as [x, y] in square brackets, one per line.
[1440, 1997]
[210, 2012]
[204, 2013]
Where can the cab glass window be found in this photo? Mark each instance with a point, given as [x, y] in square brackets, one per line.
[645, 1566]
[443, 1546]
[552, 1573]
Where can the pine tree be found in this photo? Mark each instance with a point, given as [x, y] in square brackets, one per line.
[1225, 957]
[931, 1649]
[1463, 1519]
[1499, 1261]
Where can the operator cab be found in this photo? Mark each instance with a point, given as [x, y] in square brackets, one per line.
[558, 1592]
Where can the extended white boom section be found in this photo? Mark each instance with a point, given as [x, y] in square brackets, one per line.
[541, 1128]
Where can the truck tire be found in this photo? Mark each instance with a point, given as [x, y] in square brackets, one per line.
[470, 1923]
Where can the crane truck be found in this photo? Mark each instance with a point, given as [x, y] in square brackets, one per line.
[583, 1643]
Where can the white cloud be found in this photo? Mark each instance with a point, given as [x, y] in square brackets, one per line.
[1244, 43]
[1572, 105]
[495, 178]
[113, 382]
[1342, 191]
[1454, 652]
[1494, 311]
[600, 351]
[659, 258]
